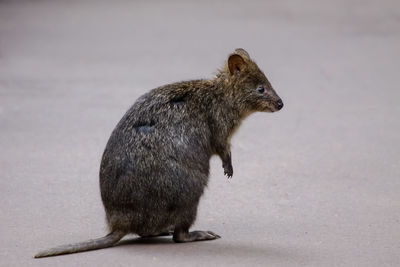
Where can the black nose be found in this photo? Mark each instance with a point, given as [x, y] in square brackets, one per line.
[279, 104]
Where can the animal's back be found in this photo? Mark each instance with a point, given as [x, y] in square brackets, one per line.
[156, 162]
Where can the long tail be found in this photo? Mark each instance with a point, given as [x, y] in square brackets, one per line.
[98, 243]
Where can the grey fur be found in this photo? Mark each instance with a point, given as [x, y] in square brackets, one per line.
[156, 163]
[102, 242]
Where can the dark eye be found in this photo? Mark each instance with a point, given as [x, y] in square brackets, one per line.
[261, 89]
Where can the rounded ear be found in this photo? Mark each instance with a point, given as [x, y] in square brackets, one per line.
[236, 64]
[242, 52]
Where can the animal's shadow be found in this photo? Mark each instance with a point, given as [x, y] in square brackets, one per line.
[146, 240]
[217, 249]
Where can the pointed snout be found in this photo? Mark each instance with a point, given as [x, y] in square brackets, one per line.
[279, 104]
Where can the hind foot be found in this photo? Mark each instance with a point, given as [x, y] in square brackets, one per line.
[181, 236]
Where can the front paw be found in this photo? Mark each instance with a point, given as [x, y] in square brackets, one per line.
[228, 170]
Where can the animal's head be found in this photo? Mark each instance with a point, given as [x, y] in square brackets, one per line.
[250, 85]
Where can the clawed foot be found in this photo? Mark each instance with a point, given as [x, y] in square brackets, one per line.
[181, 237]
[228, 170]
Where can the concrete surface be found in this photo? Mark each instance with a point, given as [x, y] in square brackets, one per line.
[317, 184]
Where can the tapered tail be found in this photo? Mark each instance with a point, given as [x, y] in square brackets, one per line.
[98, 243]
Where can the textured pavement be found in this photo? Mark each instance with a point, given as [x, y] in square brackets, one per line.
[316, 184]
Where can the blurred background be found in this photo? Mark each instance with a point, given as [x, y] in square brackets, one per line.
[316, 184]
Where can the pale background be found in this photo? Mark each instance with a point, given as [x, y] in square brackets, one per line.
[317, 184]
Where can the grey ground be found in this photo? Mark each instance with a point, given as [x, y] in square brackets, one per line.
[317, 184]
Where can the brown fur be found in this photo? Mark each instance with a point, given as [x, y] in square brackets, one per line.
[156, 163]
